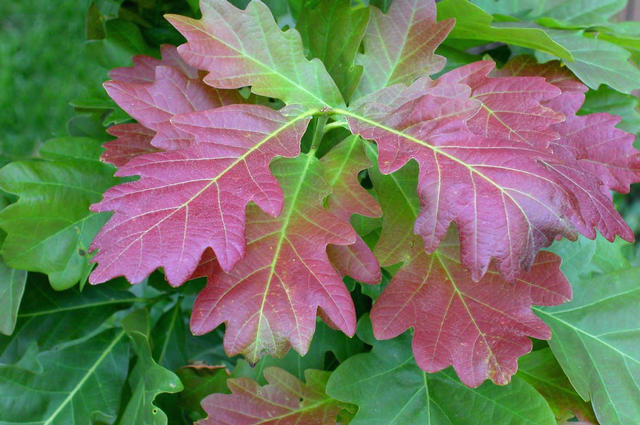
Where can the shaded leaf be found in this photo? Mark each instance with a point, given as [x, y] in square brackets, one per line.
[269, 301]
[540, 369]
[12, 284]
[50, 227]
[148, 378]
[169, 338]
[76, 384]
[390, 389]
[199, 382]
[247, 48]
[168, 219]
[333, 31]
[348, 197]
[399, 46]
[48, 319]
[473, 23]
[285, 400]
[132, 140]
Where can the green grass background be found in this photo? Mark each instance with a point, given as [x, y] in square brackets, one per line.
[41, 70]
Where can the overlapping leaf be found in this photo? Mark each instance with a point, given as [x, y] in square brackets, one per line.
[285, 401]
[333, 31]
[390, 389]
[589, 149]
[12, 284]
[474, 23]
[50, 227]
[540, 369]
[269, 301]
[507, 198]
[175, 88]
[132, 140]
[194, 198]
[481, 328]
[399, 46]
[348, 197]
[242, 48]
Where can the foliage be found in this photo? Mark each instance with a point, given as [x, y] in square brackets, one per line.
[389, 206]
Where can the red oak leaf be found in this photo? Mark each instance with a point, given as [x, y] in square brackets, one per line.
[511, 106]
[270, 299]
[144, 67]
[481, 328]
[225, 43]
[132, 140]
[601, 149]
[498, 192]
[399, 46]
[172, 92]
[285, 400]
[508, 198]
[348, 197]
[190, 199]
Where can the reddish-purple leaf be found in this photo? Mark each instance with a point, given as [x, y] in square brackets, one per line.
[601, 149]
[172, 92]
[242, 48]
[503, 200]
[144, 67]
[285, 400]
[481, 328]
[132, 140]
[194, 198]
[511, 107]
[270, 299]
[399, 46]
[342, 165]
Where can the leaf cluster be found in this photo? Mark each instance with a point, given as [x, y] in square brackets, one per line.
[332, 212]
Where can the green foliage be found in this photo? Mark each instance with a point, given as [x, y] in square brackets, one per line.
[381, 136]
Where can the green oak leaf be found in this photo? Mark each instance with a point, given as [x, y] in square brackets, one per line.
[50, 228]
[49, 319]
[596, 339]
[596, 61]
[540, 369]
[170, 333]
[605, 99]
[333, 31]
[390, 389]
[556, 13]
[76, 384]
[12, 282]
[473, 23]
[122, 40]
[148, 378]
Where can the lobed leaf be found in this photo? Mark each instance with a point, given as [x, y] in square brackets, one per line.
[480, 328]
[241, 48]
[194, 198]
[348, 197]
[50, 227]
[270, 298]
[596, 340]
[284, 401]
[333, 31]
[473, 23]
[390, 389]
[399, 46]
